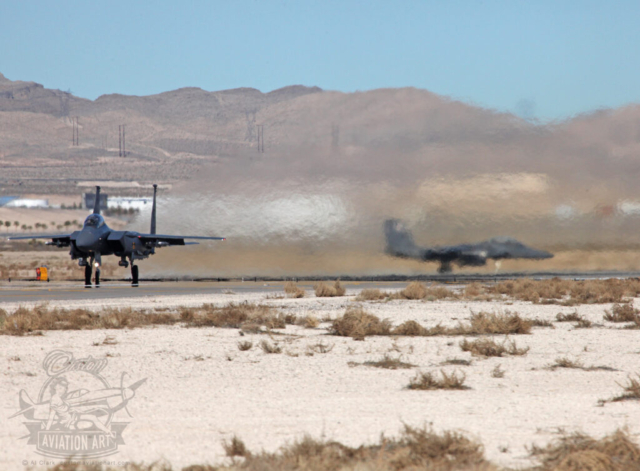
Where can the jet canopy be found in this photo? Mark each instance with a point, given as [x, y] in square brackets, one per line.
[94, 220]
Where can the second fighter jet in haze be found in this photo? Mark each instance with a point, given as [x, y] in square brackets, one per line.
[400, 244]
[96, 239]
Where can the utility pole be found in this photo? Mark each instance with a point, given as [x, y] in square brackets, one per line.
[76, 138]
[260, 128]
[335, 137]
[121, 150]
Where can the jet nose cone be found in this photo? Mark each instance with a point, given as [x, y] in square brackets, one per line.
[85, 240]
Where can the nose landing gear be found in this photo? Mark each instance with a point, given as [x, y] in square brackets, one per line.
[134, 275]
[87, 275]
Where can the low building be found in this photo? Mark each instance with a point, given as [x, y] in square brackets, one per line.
[124, 202]
[27, 203]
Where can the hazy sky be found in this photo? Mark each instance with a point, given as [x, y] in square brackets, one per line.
[541, 59]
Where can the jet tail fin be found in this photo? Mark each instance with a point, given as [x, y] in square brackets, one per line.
[153, 211]
[399, 240]
[96, 204]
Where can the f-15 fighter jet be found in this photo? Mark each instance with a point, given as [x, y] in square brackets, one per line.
[400, 244]
[97, 239]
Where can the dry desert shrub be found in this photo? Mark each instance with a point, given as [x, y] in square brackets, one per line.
[565, 362]
[389, 362]
[235, 315]
[631, 390]
[244, 346]
[293, 291]
[429, 381]
[372, 295]
[357, 323]
[583, 324]
[490, 348]
[414, 290]
[41, 317]
[497, 372]
[621, 313]
[507, 322]
[320, 347]
[235, 447]
[578, 452]
[324, 290]
[480, 324]
[416, 448]
[569, 292]
[268, 347]
[457, 362]
[541, 323]
[569, 317]
[308, 322]
[411, 328]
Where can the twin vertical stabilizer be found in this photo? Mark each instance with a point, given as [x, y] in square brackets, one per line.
[153, 210]
[96, 204]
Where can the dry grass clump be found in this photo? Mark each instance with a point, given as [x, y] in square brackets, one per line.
[244, 346]
[622, 313]
[308, 322]
[293, 291]
[490, 348]
[30, 320]
[428, 381]
[357, 323]
[324, 290]
[578, 452]
[268, 347]
[631, 390]
[569, 317]
[389, 362]
[565, 362]
[569, 292]
[507, 322]
[416, 290]
[541, 323]
[372, 295]
[235, 315]
[416, 448]
[320, 347]
[411, 328]
[497, 372]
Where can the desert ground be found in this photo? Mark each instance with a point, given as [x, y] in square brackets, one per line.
[208, 384]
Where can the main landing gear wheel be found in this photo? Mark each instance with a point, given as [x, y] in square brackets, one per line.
[134, 276]
[87, 276]
[97, 277]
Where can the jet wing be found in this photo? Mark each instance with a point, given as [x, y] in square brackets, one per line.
[60, 240]
[172, 239]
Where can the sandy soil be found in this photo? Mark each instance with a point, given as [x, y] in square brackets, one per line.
[201, 389]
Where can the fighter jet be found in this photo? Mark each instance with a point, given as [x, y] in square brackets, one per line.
[97, 239]
[400, 244]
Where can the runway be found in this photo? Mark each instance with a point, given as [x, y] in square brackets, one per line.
[32, 291]
[17, 292]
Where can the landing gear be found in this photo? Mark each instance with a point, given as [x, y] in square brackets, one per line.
[134, 276]
[97, 277]
[87, 275]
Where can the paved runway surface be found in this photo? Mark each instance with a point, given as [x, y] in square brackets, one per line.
[25, 291]
[17, 292]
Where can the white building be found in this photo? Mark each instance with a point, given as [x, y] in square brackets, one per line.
[27, 203]
[123, 202]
